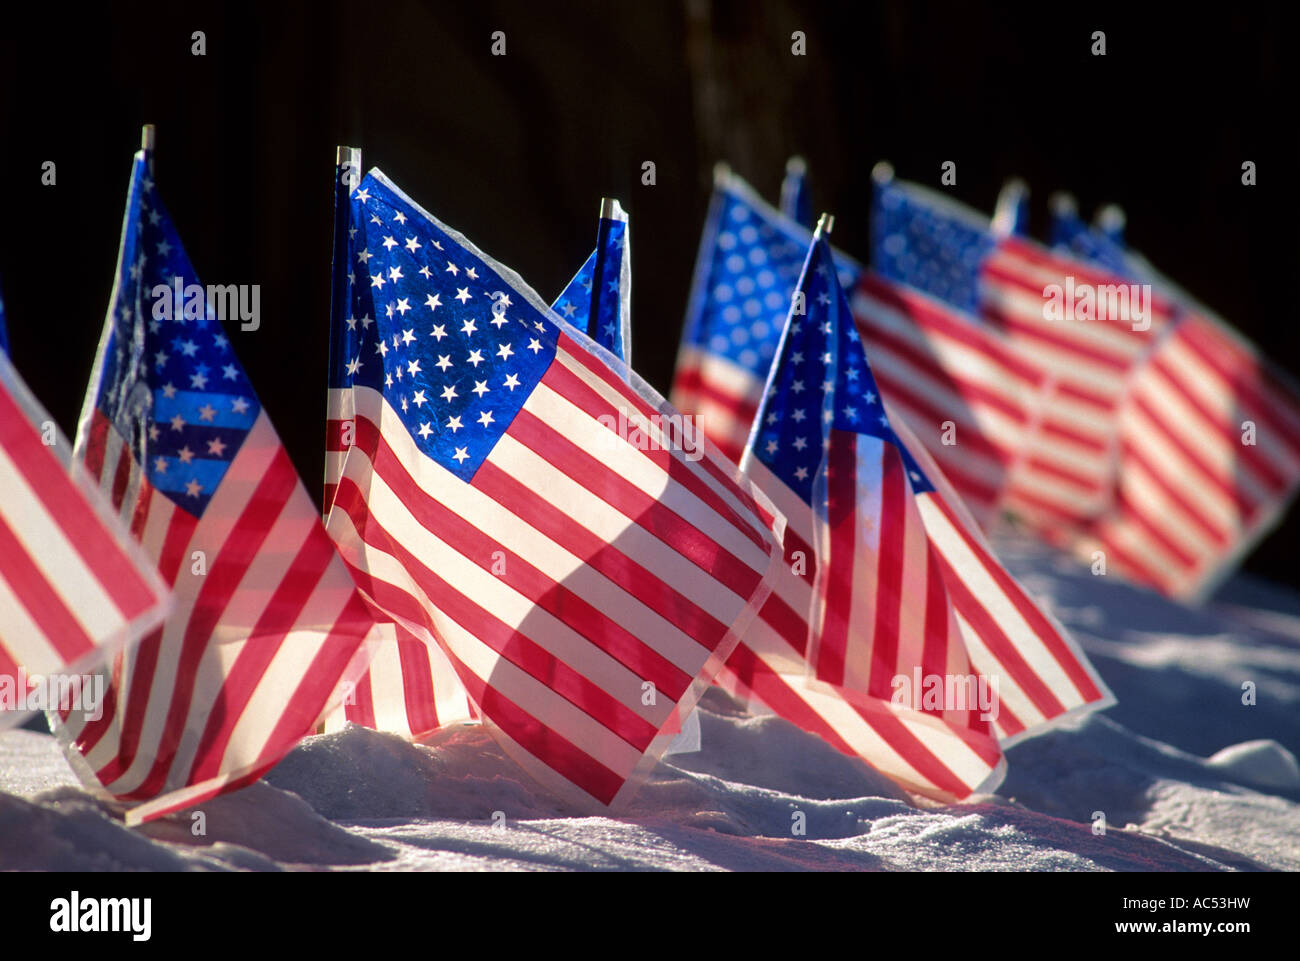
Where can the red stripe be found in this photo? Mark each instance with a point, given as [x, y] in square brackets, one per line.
[970, 433]
[1160, 478]
[180, 531]
[1034, 618]
[282, 614]
[937, 320]
[681, 535]
[565, 604]
[1254, 383]
[1138, 570]
[96, 445]
[219, 586]
[889, 571]
[604, 557]
[771, 688]
[121, 476]
[535, 737]
[791, 625]
[37, 596]
[1191, 460]
[567, 384]
[836, 583]
[72, 514]
[318, 681]
[1214, 424]
[507, 641]
[1132, 509]
[417, 683]
[742, 406]
[362, 710]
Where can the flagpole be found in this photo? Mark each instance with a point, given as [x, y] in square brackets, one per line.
[347, 174]
[1111, 221]
[1010, 216]
[825, 224]
[147, 139]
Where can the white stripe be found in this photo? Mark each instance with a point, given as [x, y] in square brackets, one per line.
[54, 557]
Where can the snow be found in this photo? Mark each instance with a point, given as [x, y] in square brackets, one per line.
[1187, 774]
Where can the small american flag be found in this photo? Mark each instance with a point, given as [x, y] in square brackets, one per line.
[267, 626]
[410, 688]
[598, 300]
[71, 588]
[748, 264]
[899, 581]
[862, 596]
[1064, 476]
[585, 578]
[1209, 449]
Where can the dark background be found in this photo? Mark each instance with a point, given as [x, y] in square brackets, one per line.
[517, 150]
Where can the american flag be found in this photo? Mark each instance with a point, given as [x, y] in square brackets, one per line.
[934, 362]
[598, 300]
[586, 578]
[266, 626]
[72, 589]
[1064, 478]
[410, 688]
[748, 263]
[969, 397]
[1068, 472]
[1209, 451]
[895, 578]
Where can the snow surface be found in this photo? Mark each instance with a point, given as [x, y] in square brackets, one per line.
[1186, 775]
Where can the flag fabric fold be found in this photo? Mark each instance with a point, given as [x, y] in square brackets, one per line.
[525, 503]
[267, 629]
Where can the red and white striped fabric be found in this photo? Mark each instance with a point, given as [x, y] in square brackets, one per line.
[620, 573]
[724, 397]
[410, 688]
[970, 398]
[1042, 674]
[1209, 458]
[896, 591]
[928, 754]
[71, 589]
[1066, 477]
[266, 631]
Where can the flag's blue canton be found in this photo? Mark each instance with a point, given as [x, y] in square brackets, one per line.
[753, 269]
[172, 387]
[603, 324]
[917, 242]
[4, 331]
[821, 382]
[1069, 233]
[454, 347]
